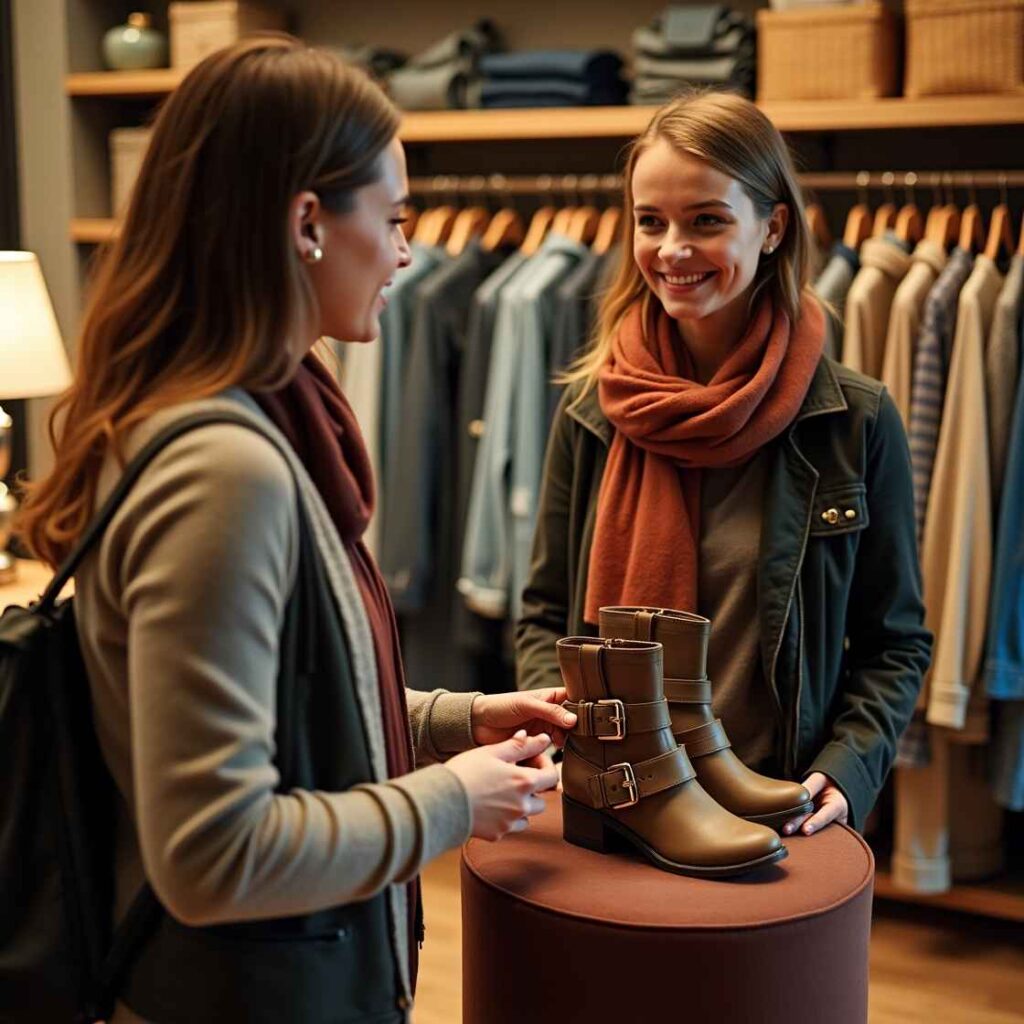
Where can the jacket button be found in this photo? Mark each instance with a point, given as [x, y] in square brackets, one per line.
[476, 428]
[831, 516]
[851, 513]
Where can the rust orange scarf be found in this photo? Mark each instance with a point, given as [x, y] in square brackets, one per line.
[648, 514]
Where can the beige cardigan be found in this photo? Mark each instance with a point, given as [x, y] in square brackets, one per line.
[882, 266]
[905, 322]
[179, 611]
[957, 546]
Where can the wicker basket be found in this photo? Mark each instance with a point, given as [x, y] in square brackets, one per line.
[828, 53]
[964, 46]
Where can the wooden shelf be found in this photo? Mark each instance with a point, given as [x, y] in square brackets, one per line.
[620, 122]
[934, 112]
[123, 84]
[1003, 898]
[93, 230]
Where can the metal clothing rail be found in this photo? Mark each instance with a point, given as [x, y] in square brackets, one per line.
[497, 185]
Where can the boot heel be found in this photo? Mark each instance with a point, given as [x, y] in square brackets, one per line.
[583, 826]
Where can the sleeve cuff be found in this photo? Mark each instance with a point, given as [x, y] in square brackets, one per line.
[947, 706]
[451, 723]
[843, 766]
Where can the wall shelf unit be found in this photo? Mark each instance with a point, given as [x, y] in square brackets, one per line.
[615, 122]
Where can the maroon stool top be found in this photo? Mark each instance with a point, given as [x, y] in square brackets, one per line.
[537, 866]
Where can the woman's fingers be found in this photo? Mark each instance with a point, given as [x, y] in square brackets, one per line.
[833, 808]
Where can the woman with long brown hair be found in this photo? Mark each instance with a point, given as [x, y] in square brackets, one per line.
[708, 457]
[279, 788]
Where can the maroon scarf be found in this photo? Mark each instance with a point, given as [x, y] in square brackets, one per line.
[320, 425]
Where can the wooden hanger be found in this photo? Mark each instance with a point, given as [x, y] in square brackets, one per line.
[468, 223]
[971, 237]
[584, 224]
[818, 225]
[412, 216]
[560, 225]
[423, 224]
[608, 230]
[540, 224]
[1000, 234]
[885, 220]
[858, 226]
[506, 228]
[943, 226]
[909, 225]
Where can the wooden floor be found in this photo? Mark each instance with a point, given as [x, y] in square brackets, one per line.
[927, 967]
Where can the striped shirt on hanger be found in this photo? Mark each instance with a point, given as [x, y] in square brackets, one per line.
[928, 387]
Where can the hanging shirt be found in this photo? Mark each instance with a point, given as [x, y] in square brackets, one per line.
[926, 264]
[372, 375]
[1004, 666]
[506, 479]
[957, 549]
[1002, 365]
[928, 384]
[883, 264]
[577, 302]
[833, 285]
[421, 542]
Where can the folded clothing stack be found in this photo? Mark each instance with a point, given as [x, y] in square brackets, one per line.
[552, 78]
[441, 77]
[706, 45]
[377, 61]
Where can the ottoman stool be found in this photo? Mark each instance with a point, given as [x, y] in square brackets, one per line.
[556, 933]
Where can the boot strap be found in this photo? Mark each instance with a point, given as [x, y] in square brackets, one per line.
[624, 785]
[705, 739]
[614, 719]
[688, 691]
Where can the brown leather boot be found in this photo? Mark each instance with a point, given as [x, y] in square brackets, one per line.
[685, 636]
[626, 778]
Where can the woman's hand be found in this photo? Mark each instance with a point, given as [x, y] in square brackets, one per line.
[501, 784]
[829, 805]
[497, 716]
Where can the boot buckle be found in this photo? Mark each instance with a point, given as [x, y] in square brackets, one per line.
[618, 720]
[629, 784]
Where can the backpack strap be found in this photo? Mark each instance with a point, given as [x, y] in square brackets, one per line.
[132, 472]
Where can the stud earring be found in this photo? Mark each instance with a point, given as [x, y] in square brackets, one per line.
[314, 255]
[769, 249]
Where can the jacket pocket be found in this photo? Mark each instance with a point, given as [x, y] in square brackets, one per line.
[840, 510]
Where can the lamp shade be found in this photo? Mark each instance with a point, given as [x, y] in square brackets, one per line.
[32, 357]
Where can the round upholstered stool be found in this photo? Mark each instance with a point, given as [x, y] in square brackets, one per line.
[555, 933]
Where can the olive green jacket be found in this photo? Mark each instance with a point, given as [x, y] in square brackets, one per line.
[843, 644]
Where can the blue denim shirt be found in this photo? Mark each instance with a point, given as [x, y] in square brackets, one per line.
[507, 474]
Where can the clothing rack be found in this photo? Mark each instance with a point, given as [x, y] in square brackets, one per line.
[497, 185]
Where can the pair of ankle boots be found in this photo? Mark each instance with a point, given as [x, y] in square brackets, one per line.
[647, 763]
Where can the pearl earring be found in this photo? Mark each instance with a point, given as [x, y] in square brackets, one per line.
[769, 249]
[314, 255]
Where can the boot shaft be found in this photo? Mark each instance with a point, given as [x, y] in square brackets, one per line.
[598, 669]
[602, 672]
[683, 635]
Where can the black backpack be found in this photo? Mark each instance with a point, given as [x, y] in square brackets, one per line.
[60, 958]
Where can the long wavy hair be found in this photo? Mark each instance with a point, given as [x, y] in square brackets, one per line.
[204, 290]
[733, 136]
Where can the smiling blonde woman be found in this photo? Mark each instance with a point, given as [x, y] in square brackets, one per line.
[707, 457]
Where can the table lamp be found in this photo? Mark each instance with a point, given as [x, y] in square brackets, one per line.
[32, 364]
